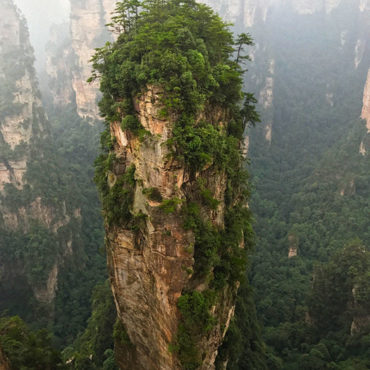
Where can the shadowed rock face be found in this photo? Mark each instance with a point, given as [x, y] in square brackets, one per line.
[87, 32]
[69, 51]
[149, 268]
[19, 97]
[24, 135]
[4, 364]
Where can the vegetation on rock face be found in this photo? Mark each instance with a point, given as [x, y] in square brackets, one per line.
[93, 349]
[59, 224]
[186, 50]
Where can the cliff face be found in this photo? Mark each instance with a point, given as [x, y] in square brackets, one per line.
[26, 166]
[68, 66]
[365, 114]
[58, 66]
[263, 19]
[18, 98]
[151, 267]
[250, 12]
[4, 363]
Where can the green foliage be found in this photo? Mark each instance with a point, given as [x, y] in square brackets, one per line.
[117, 198]
[120, 334]
[132, 123]
[170, 205]
[196, 322]
[243, 347]
[302, 178]
[153, 194]
[37, 248]
[26, 349]
[340, 290]
[185, 51]
[208, 199]
[92, 349]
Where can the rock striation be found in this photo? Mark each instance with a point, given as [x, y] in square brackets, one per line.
[19, 100]
[4, 363]
[69, 52]
[26, 165]
[365, 114]
[155, 264]
[58, 66]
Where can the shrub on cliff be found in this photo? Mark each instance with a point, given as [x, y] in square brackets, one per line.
[185, 49]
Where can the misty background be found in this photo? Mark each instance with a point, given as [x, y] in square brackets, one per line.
[40, 16]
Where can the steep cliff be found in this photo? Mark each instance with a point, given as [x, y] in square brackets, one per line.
[365, 114]
[58, 64]
[35, 222]
[250, 12]
[170, 177]
[69, 53]
[151, 266]
[18, 98]
[4, 363]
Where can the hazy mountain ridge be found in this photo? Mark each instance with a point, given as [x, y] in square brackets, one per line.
[24, 127]
[46, 237]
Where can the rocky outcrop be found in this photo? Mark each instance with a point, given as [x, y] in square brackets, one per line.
[361, 318]
[58, 66]
[151, 266]
[88, 19]
[365, 114]
[69, 52]
[86, 27]
[24, 145]
[250, 12]
[293, 242]
[20, 115]
[242, 12]
[4, 363]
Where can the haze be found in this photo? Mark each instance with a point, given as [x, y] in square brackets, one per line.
[40, 15]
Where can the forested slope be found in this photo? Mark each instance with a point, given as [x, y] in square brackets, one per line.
[310, 167]
[51, 230]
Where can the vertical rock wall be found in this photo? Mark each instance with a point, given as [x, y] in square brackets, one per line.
[365, 114]
[24, 145]
[4, 363]
[151, 267]
[18, 97]
[68, 62]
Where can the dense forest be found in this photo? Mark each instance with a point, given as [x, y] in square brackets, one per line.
[305, 298]
[311, 190]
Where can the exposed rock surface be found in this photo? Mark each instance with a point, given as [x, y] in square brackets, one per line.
[24, 134]
[4, 363]
[150, 268]
[58, 66]
[361, 318]
[68, 58]
[365, 114]
[20, 115]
